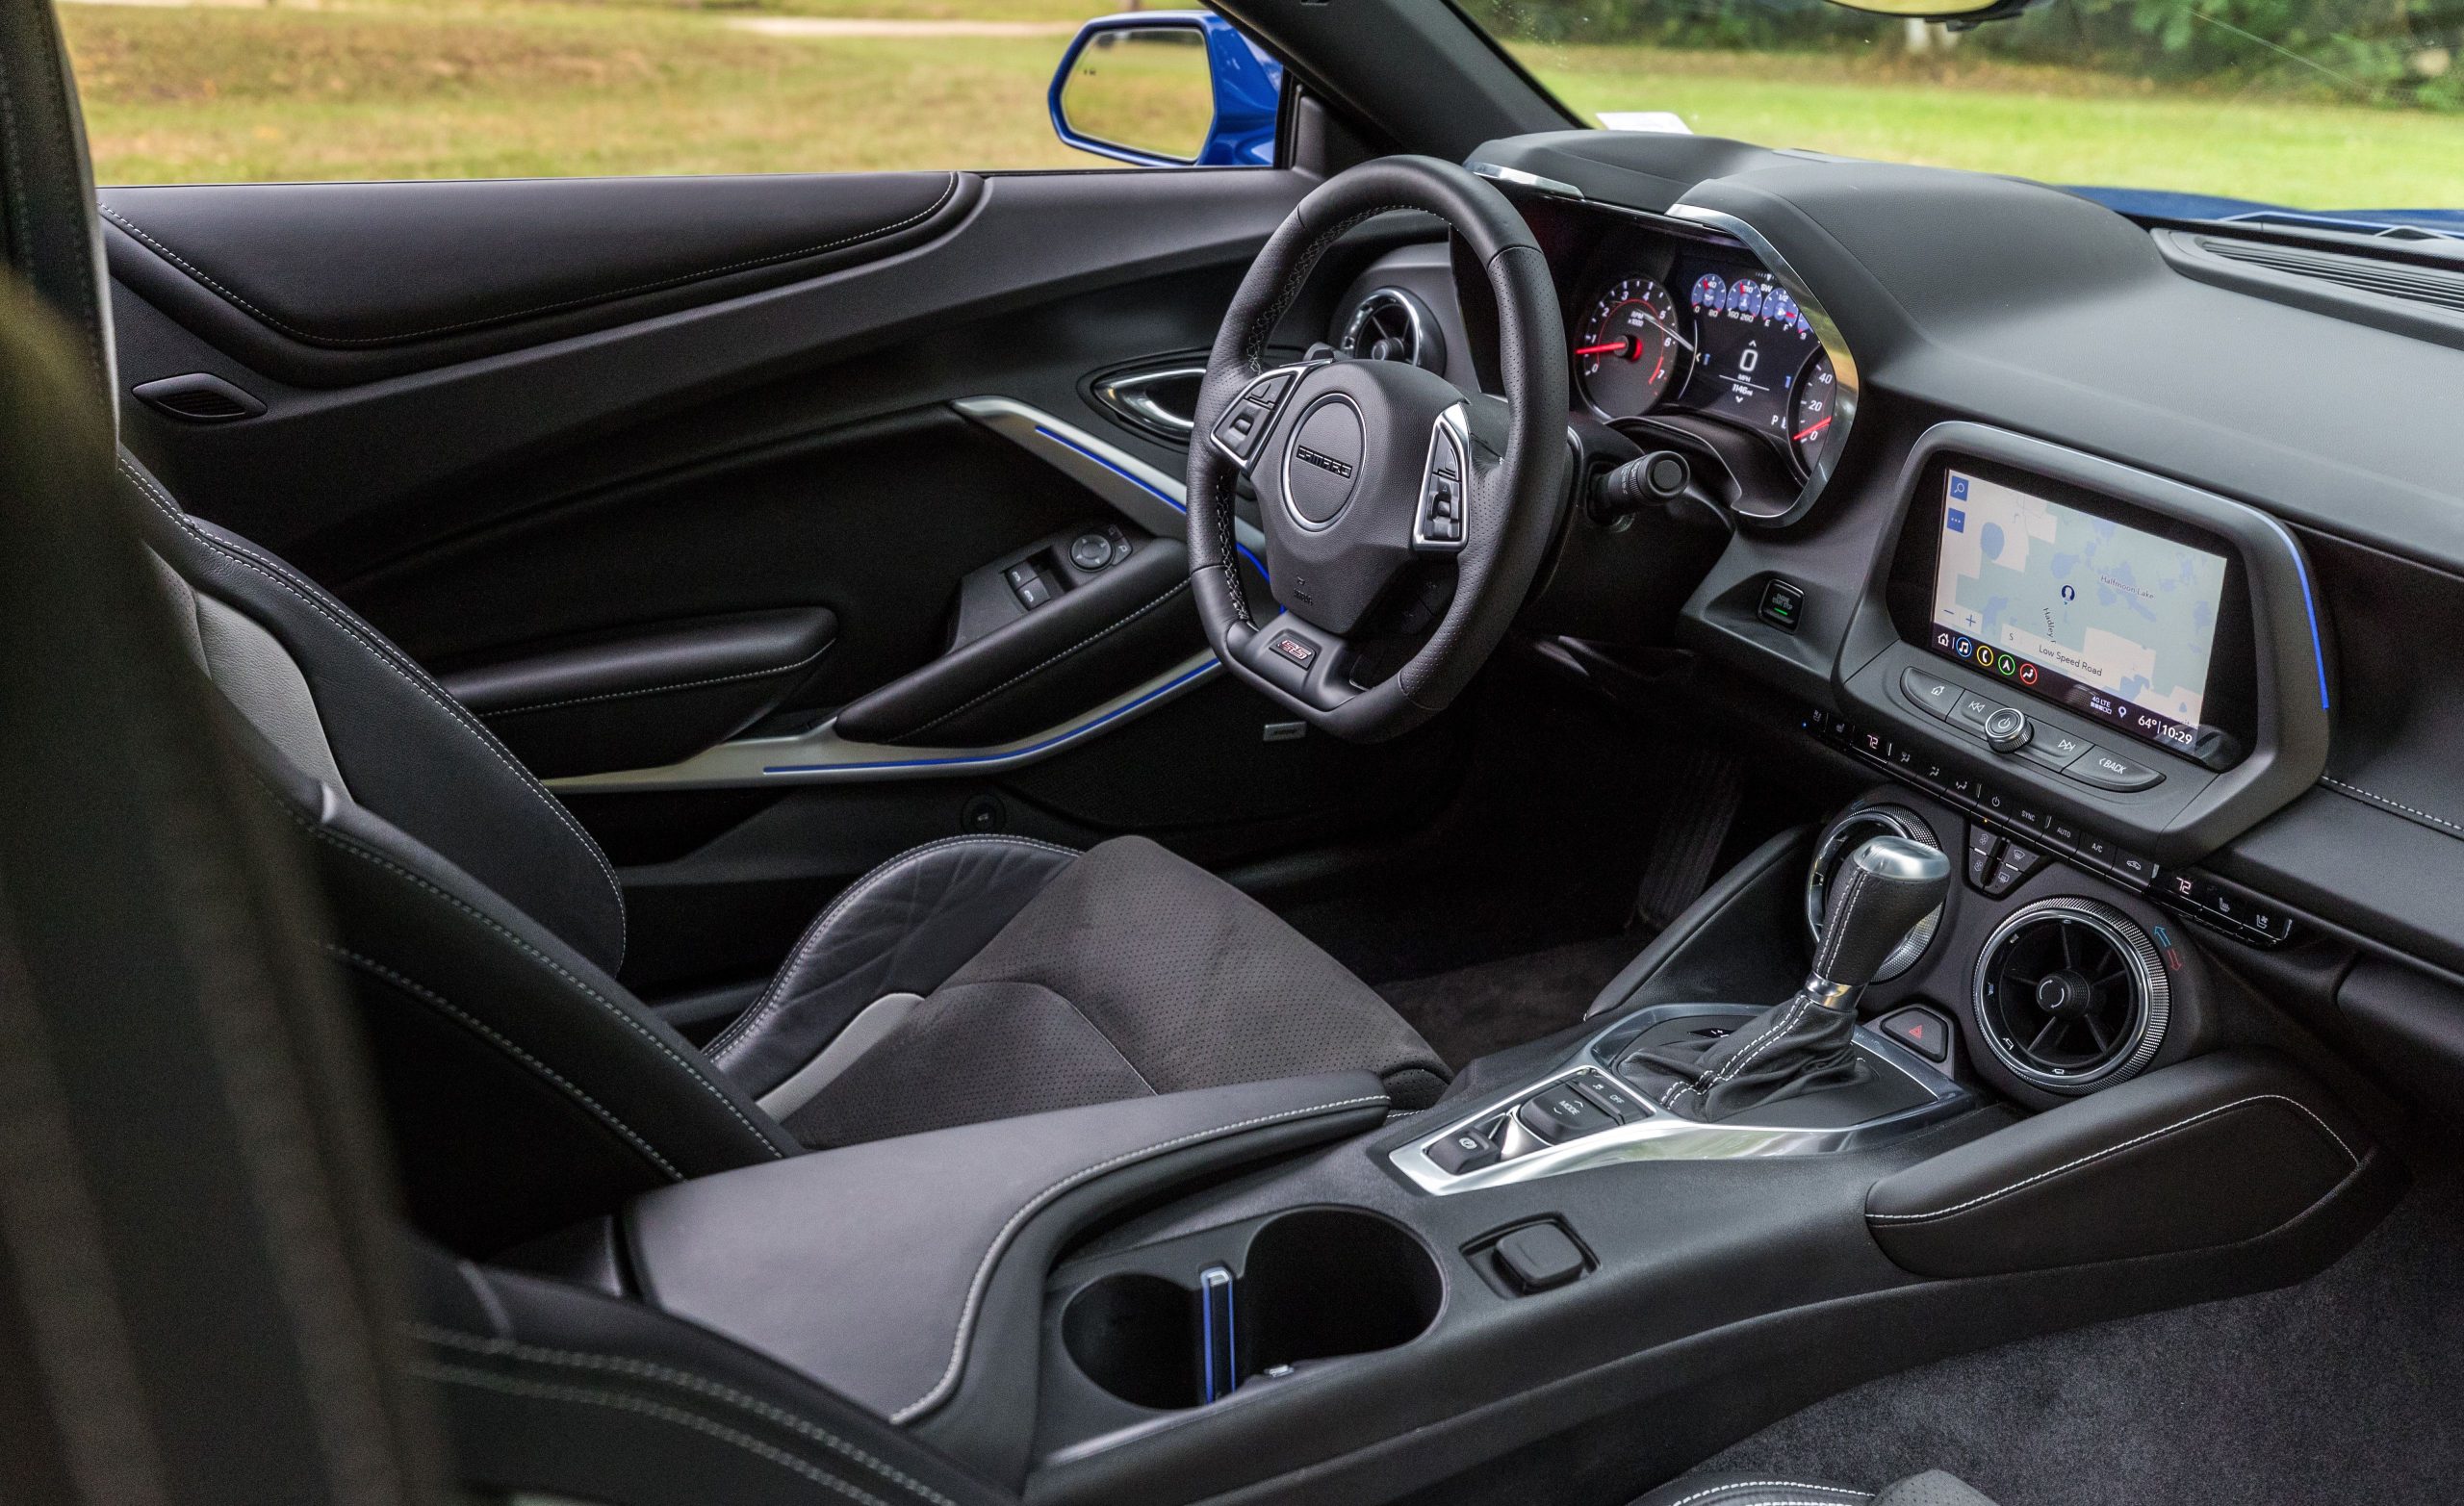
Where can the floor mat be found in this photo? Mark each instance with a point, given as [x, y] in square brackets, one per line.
[1473, 1011]
[2340, 1390]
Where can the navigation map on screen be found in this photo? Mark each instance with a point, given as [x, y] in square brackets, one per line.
[2109, 620]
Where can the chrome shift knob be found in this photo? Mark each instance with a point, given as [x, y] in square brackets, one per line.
[1882, 892]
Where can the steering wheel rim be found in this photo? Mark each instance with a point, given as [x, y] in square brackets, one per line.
[1328, 539]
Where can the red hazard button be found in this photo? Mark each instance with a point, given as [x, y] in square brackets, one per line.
[1923, 1030]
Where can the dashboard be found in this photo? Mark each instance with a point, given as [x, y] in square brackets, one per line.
[2136, 548]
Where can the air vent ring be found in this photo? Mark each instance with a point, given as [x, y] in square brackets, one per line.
[1391, 325]
[2070, 995]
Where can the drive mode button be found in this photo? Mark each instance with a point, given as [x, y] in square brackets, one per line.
[2111, 771]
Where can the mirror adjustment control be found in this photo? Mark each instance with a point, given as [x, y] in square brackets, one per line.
[2008, 729]
[1560, 1115]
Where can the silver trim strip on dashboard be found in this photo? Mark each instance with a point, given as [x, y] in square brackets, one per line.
[1667, 1136]
[1825, 329]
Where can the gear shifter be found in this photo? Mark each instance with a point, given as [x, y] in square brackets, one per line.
[1884, 888]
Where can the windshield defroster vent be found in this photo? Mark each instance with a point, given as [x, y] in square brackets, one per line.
[2367, 274]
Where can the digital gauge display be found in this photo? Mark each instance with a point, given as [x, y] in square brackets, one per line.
[1753, 347]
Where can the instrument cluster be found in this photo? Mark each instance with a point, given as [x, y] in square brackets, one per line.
[1736, 348]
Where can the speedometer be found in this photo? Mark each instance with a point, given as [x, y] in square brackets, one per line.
[1629, 348]
[1811, 410]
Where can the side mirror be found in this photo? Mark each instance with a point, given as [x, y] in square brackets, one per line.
[1168, 89]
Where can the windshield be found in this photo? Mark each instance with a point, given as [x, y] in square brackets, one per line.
[2220, 106]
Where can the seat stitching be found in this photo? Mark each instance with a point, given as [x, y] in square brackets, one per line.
[380, 861]
[506, 1045]
[643, 1406]
[1770, 1485]
[948, 191]
[725, 1045]
[626, 1365]
[419, 681]
[1177, 589]
[661, 690]
[1028, 1209]
[2116, 1150]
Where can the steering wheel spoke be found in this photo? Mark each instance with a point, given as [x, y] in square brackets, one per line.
[1301, 662]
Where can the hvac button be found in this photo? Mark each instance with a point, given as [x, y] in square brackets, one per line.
[1922, 1031]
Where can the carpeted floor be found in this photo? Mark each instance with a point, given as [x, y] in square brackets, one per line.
[1471, 1011]
[2343, 1389]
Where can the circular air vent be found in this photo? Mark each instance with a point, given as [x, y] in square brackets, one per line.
[1844, 836]
[2070, 995]
[1391, 325]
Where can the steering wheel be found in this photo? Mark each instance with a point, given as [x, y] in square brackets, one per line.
[1366, 469]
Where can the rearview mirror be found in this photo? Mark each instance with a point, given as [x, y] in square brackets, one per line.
[1960, 17]
[1168, 89]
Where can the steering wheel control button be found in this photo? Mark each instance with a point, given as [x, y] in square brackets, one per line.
[1090, 551]
[1268, 389]
[2055, 750]
[1935, 696]
[1296, 649]
[1562, 1114]
[1437, 521]
[1540, 1258]
[1324, 463]
[1784, 604]
[2111, 771]
[2008, 729]
[1467, 1149]
[1922, 1031]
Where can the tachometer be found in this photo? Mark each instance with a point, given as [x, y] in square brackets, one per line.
[1811, 409]
[1629, 348]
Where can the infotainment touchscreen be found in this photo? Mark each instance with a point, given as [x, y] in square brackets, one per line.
[2106, 619]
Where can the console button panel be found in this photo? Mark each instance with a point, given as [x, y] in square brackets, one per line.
[2009, 731]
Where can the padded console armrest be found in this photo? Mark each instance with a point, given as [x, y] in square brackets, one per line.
[2218, 1150]
[901, 1273]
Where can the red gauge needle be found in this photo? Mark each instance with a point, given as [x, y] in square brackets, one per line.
[1808, 431]
[1613, 347]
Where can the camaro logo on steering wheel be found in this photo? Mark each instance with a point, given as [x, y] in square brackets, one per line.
[1322, 462]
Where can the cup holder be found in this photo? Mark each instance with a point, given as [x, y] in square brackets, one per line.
[1313, 1285]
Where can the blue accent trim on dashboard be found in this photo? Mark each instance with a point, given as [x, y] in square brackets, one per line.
[1146, 486]
[1070, 736]
[2309, 603]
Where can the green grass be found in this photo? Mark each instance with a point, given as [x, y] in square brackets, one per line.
[394, 89]
[2053, 124]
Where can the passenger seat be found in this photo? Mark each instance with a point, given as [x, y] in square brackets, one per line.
[1933, 1488]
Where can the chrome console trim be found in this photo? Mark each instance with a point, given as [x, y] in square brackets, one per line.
[1666, 1136]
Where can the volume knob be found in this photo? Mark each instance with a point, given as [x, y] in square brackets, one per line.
[2008, 729]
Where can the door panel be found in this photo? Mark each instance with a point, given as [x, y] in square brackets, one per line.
[721, 508]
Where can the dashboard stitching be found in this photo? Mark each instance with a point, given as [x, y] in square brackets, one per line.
[2397, 807]
[2116, 1150]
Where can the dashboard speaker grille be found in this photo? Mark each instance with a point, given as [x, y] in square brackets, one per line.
[2070, 995]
